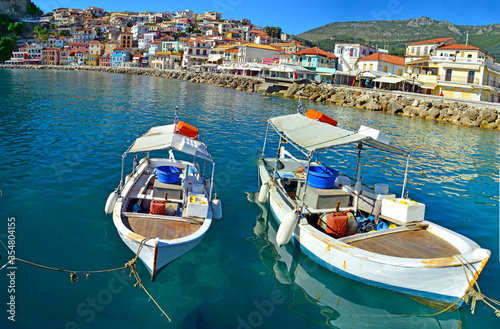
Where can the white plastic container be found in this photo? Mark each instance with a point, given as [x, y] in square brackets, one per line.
[342, 181]
[375, 134]
[197, 205]
[403, 210]
[381, 188]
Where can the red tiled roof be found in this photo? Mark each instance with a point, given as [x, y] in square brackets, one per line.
[381, 57]
[432, 41]
[316, 51]
[460, 47]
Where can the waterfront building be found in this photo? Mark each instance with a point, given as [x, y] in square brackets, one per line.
[34, 51]
[66, 57]
[256, 53]
[316, 59]
[196, 52]
[348, 55]
[383, 63]
[458, 71]
[421, 49]
[119, 56]
[91, 60]
[166, 60]
[105, 60]
[79, 58]
[50, 56]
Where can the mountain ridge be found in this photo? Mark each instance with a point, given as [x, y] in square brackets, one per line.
[396, 34]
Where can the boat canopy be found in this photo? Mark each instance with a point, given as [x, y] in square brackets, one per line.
[314, 135]
[164, 137]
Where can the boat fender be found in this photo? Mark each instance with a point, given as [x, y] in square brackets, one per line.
[110, 203]
[286, 228]
[264, 190]
[216, 208]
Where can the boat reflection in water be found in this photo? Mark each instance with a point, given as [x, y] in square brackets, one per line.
[330, 300]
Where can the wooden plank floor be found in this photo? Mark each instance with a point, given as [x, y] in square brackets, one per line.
[408, 244]
[161, 228]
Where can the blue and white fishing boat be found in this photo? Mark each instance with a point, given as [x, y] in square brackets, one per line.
[359, 232]
[166, 205]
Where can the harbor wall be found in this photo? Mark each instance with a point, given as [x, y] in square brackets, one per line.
[455, 111]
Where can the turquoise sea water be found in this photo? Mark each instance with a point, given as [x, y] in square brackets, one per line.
[62, 135]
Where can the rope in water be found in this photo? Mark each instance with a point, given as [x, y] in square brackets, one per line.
[130, 264]
[470, 293]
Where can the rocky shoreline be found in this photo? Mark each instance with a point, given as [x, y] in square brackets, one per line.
[418, 105]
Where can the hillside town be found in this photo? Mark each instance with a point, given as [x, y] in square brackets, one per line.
[185, 40]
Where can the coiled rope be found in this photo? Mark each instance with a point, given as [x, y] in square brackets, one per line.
[73, 274]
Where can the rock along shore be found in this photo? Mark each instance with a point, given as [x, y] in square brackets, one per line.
[471, 114]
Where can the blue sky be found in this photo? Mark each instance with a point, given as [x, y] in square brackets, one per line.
[295, 16]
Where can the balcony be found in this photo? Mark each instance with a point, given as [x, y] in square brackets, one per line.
[461, 60]
[317, 65]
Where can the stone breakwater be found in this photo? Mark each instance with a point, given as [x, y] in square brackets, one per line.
[471, 114]
[218, 79]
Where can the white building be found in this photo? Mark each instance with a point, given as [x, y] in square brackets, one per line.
[184, 13]
[196, 52]
[349, 54]
[383, 63]
[138, 31]
[254, 53]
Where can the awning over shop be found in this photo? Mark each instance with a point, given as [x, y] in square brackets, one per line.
[389, 80]
[429, 85]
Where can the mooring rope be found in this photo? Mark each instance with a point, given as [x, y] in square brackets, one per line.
[130, 264]
[473, 294]
[470, 294]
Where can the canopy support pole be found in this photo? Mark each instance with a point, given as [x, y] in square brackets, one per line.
[405, 181]
[358, 183]
[211, 182]
[265, 140]
[302, 197]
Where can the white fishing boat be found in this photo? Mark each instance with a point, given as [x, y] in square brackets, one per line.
[340, 303]
[359, 232]
[165, 206]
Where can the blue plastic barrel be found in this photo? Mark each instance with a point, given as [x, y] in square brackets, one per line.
[168, 174]
[322, 177]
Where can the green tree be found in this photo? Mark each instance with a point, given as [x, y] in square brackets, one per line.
[189, 29]
[15, 28]
[33, 9]
[98, 31]
[197, 31]
[273, 31]
[6, 46]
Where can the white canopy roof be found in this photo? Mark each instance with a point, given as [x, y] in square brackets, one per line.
[315, 135]
[389, 79]
[164, 137]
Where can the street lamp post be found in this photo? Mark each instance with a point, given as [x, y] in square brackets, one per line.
[413, 76]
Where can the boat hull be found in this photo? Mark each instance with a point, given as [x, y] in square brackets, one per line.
[441, 280]
[157, 252]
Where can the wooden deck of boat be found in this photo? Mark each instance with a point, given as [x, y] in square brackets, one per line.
[161, 228]
[408, 244]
